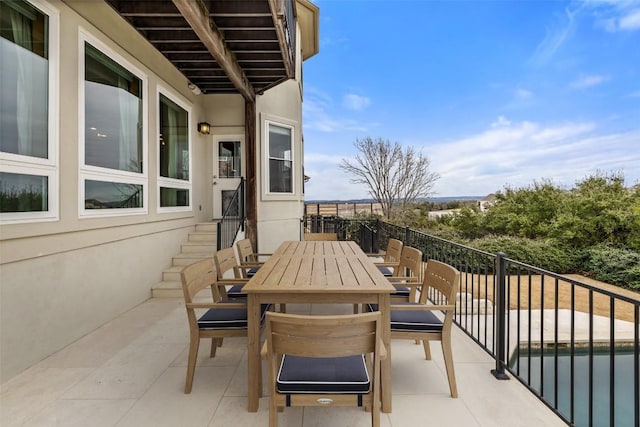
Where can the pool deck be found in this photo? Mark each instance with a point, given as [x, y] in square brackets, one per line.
[131, 372]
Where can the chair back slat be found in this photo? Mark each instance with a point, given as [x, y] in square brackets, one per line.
[225, 260]
[197, 276]
[394, 250]
[329, 347]
[322, 336]
[245, 251]
[410, 263]
[441, 277]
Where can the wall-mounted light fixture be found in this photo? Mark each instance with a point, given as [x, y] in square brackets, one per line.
[193, 88]
[204, 128]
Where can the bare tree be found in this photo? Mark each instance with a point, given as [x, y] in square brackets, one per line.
[396, 177]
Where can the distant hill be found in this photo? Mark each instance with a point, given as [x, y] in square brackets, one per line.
[429, 199]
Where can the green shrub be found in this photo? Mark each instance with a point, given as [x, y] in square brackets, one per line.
[614, 266]
[545, 254]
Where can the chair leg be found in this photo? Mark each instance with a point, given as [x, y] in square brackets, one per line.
[283, 308]
[448, 362]
[215, 343]
[427, 349]
[191, 364]
[356, 308]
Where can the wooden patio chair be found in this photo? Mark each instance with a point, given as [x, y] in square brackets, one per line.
[391, 257]
[215, 319]
[227, 265]
[249, 260]
[417, 320]
[324, 361]
[408, 275]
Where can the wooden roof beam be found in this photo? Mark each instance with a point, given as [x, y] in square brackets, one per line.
[197, 15]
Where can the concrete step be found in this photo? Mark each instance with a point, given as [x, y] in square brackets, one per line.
[189, 258]
[211, 227]
[198, 247]
[167, 289]
[203, 236]
[172, 274]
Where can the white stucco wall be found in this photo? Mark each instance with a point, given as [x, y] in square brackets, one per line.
[61, 279]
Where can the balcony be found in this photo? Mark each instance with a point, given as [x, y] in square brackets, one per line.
[131, 372]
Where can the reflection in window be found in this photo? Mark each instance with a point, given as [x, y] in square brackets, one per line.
[111, 195]
[230, 204]
[280, 160]
[174, 140]
[24, 67]
[113, 114]
[23, 193]
[170, 197]
[229, 159]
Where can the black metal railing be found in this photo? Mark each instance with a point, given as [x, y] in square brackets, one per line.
[287, 9]
[233, 218]
[572, 344]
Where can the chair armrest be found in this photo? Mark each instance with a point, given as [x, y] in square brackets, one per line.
[248, 264]
[226, 305]
[263, 350]
[386, 264]
[418, 307]
[222, 282]
[383, 351]
[410, 279]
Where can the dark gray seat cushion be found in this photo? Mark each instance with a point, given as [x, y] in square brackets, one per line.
[227, 318]
[331, 375]
[402, 291]
[236, 292]
[413, 320]
[386, 271]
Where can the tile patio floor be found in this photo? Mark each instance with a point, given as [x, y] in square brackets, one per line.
[131, 372]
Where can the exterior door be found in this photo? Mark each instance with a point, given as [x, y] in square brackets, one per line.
[227, 169]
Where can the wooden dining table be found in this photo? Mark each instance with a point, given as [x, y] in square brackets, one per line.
[323, 272]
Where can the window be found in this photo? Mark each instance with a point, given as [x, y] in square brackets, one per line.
[28, 105]
[113, 137]
[174, 182]
[229, 159]
[280, 148]
[112, 195]
[113, 114]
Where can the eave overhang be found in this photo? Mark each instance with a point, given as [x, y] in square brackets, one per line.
[221, 46]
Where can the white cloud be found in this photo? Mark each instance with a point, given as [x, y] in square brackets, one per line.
[321, 114]
[517, 154]
[556, 36]
[355, 102]
[512, 153]
[631, 21]
[585, 82]
[500, 121]
[523, 93]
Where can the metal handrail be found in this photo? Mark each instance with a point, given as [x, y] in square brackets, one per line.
[233, 218]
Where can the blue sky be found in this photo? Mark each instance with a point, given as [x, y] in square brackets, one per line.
[495, 93]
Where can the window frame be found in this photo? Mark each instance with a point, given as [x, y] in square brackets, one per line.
[98, 173]
[163, 181]
[283, 123]
[37, 166]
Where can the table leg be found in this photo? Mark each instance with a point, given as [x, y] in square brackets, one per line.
[385, 309]
[253, 349]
